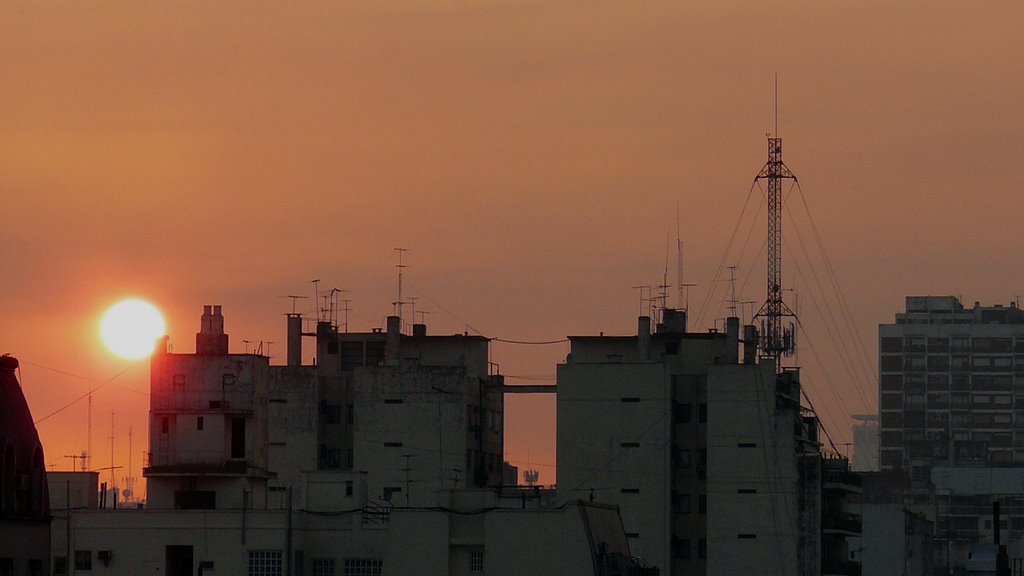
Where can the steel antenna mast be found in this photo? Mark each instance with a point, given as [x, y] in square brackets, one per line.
[775, 340]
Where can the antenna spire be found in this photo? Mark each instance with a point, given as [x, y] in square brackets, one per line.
[775, 340]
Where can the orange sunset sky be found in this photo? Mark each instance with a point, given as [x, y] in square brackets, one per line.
[530, 155]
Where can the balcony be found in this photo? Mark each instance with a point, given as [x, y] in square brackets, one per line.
[841, 523]
[840, 568]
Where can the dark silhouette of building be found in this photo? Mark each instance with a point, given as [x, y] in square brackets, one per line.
[24, 507]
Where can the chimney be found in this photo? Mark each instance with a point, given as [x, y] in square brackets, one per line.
[643, 337]
[294, 339]
[211, 339]
[732, 339]
[749, 344]
[394, 339]
[419, 329]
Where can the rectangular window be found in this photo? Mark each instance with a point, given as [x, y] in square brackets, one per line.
[630, 400]
[702, 504]
[265, 563]
[331, 413]
[476, 562]
[682, 502]
[683, 413]
[348, 487]
[83, 560]
[681, 458]
[165, 425]
[199, 422]
[747, 536]
[747, 491]
[746, 445]
[681, 548]
[323, 567]
[702, 413]
[392, 444]
[60, 565]
[362, 567]
[629, 444]
[238, 437]
[228, 379]
[393, 401]
[630, 490]
[702, 549]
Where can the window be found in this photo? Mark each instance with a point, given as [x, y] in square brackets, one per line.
[476, 561]
[362, 567]
[60, 565]
[702, 549]
[683, 413]
[702, 413]
[265, 563]
[228, 379]
[702, 504]
[165, 425]
[630, 490]
[348, 488]
[681, 458]
[747, 536]
[392, 444]
[393, 401]
[681, 548]
[199, 422]
[747, 491]
[323, 567]
[630, 400]
[331, 413]
[630, 444]
[746, 445]
[682, 502]
[83, 560]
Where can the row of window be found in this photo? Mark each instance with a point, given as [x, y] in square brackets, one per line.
[945, 363]
[953, 344]
[942, 381]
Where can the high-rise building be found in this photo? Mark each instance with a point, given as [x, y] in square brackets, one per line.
[714, 464]
[949, 382]
[951, 418]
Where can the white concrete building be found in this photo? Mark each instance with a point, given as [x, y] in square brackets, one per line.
[713, 462]
[245, 478]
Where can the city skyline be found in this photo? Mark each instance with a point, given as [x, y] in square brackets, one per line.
[530, 157]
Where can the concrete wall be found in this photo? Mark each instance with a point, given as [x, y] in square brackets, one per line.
[619, 451]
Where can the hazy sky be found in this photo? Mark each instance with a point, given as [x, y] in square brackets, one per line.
[529, 154]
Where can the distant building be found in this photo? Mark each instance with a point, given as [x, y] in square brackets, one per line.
[951, 415]
[715, 465]
[865, 443]
[947, 385]
[24, 504]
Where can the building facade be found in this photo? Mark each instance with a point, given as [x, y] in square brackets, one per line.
[951, 418]
[712, 460]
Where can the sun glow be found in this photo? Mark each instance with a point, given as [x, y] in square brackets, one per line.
[130, 328]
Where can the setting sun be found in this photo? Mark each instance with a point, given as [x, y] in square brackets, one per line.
[130, 328]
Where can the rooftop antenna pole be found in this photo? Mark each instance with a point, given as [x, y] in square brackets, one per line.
[641, 288]
[345, 306]
[316, 297]
[775, 340]
[732, 290]
[400, 266]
